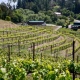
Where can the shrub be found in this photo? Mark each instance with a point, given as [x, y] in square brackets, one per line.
[8, 18]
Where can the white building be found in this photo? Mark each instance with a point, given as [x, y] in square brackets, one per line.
[57, 13]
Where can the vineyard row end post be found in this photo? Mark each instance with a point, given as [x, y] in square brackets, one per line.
[73, 54]
[33, 51]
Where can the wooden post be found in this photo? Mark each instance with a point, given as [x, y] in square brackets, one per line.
[8, 55]
[7, 33]
[11, 48]
[12, 38]
[73, 50]
[57, 56]
[7, 36]
[66, 53]
[41, 55]
[33, 51]
[29, 54]
[3, 32]
[73, 53]
[3, 43]
[51, 49]
[10, 32]
[19, 47]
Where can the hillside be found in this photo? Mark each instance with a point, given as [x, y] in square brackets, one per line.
[7, 24]
[36, 52]
[39, 52]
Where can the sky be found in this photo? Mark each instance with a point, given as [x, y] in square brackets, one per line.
[7, 1]
[4, 1]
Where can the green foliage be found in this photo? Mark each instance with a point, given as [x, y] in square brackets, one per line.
[14, 18]
[71, 67]
[8, 18]
[0, 13]
[45, 69]
[37, 5]
[51, 75]
[48, 7]
[64, 21]
[71, 19]
[78, 16]
[5, 12]
[32, 17]
[56, 8]
[66, 12]
[47, 19]
[41, 15]
[60, 22]
[24, 15]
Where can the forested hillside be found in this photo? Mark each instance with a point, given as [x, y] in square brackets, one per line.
[26, 10]
[37, 5]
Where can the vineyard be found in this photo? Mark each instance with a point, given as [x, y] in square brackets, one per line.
[39, 53]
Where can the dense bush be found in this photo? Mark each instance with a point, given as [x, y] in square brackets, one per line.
[8, 18]
[78, 16]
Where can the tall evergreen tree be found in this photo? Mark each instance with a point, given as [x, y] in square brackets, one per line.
[77, 6]
[19, 4]
[63, 3]
[24, 4]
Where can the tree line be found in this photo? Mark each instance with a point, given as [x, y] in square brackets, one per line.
[37, 5]
[26, 10]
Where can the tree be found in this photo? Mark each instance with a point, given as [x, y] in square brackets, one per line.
[41, 16]
[4, 10]
[61, 22]
[67, 12]
[19, 4]
[8, 18]
[78, 16]
[77, 6]
[24, 4]
[70, 5]
[56, 9]
[35, 9]
[0, 13]
[54, 18]
[62, 3]
[47, 19]
[32, 17]
[52, 3]
[16, 17]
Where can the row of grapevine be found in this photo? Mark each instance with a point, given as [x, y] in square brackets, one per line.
[20, 69]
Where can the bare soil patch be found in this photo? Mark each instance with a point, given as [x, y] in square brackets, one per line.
[7, 24]
[57, 40]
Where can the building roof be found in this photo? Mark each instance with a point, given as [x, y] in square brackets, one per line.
[35, 21]
[58, 13]
[76, 21]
